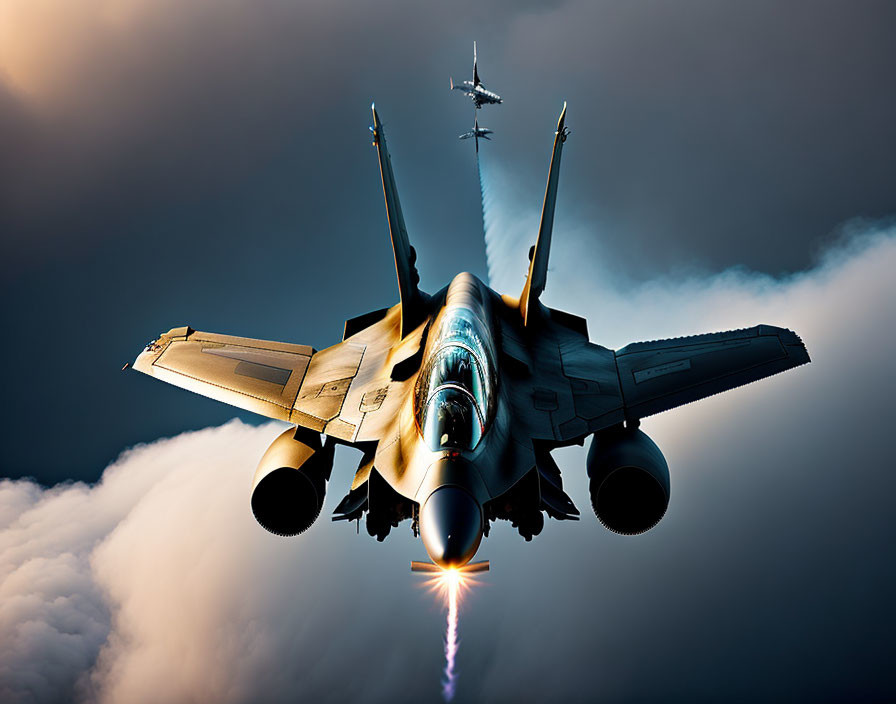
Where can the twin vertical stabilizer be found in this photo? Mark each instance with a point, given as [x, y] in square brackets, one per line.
[476, 81]
[538, 264]
[405, 256]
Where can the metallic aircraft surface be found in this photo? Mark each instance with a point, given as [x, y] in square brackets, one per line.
[475, 90]
[477, 133]
[457, 398]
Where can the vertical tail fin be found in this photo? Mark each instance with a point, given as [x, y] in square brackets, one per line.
[476, 80]
[538, 264]
[405, 256]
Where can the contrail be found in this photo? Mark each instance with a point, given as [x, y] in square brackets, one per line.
[450, 681]
[492, 257]
[482, 200]
[507, 230]
[449, 585]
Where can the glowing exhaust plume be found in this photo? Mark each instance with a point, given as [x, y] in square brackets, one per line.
[450, 585]
[448, 684]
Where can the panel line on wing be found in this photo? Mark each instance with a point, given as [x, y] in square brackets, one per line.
[220, 386]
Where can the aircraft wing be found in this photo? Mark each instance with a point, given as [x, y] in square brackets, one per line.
[346, 391]
[279, 380]
[659, 375]
[350, 391]
[563, 388]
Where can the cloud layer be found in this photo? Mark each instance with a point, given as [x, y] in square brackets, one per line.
[769, 578]
[686, 113]
[157, 585]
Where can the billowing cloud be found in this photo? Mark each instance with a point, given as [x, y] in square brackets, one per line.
[156, 585]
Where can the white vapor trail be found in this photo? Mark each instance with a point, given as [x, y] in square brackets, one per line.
[450, 682]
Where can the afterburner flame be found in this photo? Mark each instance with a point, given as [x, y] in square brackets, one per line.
[450, 585]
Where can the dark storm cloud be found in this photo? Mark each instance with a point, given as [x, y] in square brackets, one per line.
[768, 579]
[705, 132]
[708, 135]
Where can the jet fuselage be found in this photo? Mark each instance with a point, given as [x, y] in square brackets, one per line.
[455, 402]
[457, 399]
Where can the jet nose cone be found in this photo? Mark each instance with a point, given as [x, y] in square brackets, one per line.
[451, 526]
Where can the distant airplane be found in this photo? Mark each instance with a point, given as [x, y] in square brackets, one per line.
[456, 400]
[477, 133]
[478, 94]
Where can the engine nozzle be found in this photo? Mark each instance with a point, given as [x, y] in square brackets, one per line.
[290, 483]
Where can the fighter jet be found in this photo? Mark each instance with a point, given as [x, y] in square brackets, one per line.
[477, 92]
[456, 399]
[477, 133]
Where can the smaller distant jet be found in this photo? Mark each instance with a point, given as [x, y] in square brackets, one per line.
[478, 94]
[476, 133]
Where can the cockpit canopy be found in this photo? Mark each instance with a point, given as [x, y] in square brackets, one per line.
[455, 391]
